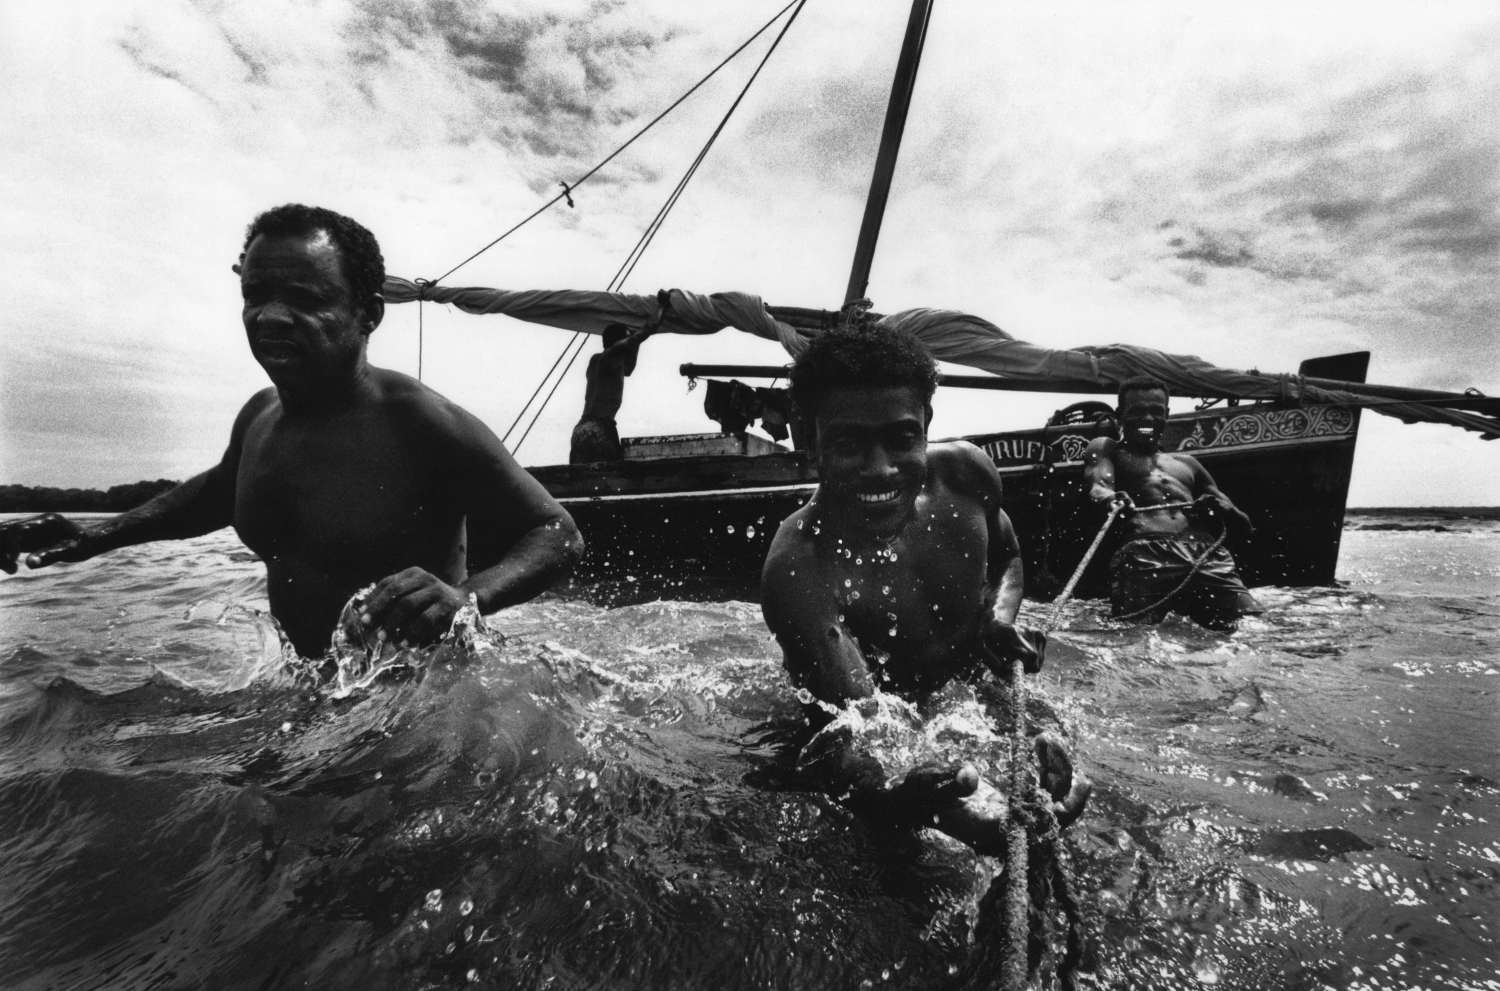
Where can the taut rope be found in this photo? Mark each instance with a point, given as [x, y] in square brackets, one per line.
[1032, 824]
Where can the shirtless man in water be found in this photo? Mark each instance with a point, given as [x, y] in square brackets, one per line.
[342, 474]
[902, 573]
[1180, 546]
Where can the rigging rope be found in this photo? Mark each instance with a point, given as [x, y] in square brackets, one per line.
[570, 187]
[576, 343]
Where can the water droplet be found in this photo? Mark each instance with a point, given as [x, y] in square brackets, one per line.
[885, 590]
[891, 632]
[729, 528]
[434, 901]
[848, 582]
[854, 594]
[859, 560]
[473, 975]
[749, 533]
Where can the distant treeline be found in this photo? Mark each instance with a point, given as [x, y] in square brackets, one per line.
[45, 499]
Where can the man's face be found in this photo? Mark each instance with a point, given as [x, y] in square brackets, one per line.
[872, 456]
[1143, 418]
[301, 319]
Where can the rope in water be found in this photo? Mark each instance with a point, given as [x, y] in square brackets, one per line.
[1017, 916]
[1032, 826]
[1192, 572]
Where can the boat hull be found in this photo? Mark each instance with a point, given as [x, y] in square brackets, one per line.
[699, 527]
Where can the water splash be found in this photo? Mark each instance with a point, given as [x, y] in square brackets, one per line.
[359, 657]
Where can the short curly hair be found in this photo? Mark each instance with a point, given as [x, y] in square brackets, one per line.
[1141, 383]
[861, 356]
[364, 266]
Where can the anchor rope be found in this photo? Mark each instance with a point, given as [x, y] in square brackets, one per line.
[1035, 857]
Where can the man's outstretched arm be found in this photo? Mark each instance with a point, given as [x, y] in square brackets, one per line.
[202, 504]
[195, 507]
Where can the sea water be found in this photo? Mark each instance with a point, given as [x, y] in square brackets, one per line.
[603, 798]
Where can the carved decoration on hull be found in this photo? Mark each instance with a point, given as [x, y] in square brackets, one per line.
[1254, 427]
[1225, 429]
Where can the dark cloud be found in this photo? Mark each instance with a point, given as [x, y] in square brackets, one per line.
[517, 56]
[1231, 250]
[1341, 212]
[830, 131]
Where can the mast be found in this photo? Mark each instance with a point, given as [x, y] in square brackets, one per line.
[890, 143]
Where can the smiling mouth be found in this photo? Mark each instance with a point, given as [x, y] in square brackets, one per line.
[878, 498]
[276, 350]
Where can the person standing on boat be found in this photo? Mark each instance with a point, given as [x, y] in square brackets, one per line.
[596, 438]
[1176, 520]
[343, 474]
[901, 573]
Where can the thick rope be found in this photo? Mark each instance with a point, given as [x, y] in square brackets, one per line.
[1017, 918]
[1117, 505]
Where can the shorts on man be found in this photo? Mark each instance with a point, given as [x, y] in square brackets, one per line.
[1150, 568]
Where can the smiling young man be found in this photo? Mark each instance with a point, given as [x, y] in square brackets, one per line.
[901, 573]
[1173, 557]
[343, 474]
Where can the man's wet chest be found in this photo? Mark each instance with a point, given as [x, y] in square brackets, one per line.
[1158, 474]
[345, 489]
[913, 588]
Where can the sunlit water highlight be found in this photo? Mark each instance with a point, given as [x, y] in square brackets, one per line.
[605, 799]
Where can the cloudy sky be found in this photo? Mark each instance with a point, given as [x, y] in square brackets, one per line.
[1254, 183]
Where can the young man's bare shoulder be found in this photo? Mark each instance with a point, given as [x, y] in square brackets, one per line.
[965, 469]
[794, 537]
[1100, 447]
[792, 577]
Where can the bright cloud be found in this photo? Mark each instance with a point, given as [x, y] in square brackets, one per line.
[1252, 184]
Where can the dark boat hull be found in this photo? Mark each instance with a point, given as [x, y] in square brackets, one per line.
[699, 527]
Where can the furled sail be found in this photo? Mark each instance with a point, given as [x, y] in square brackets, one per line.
[951, 336]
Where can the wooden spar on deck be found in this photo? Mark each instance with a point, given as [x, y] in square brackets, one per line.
[890, 143]
[1378, 395]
